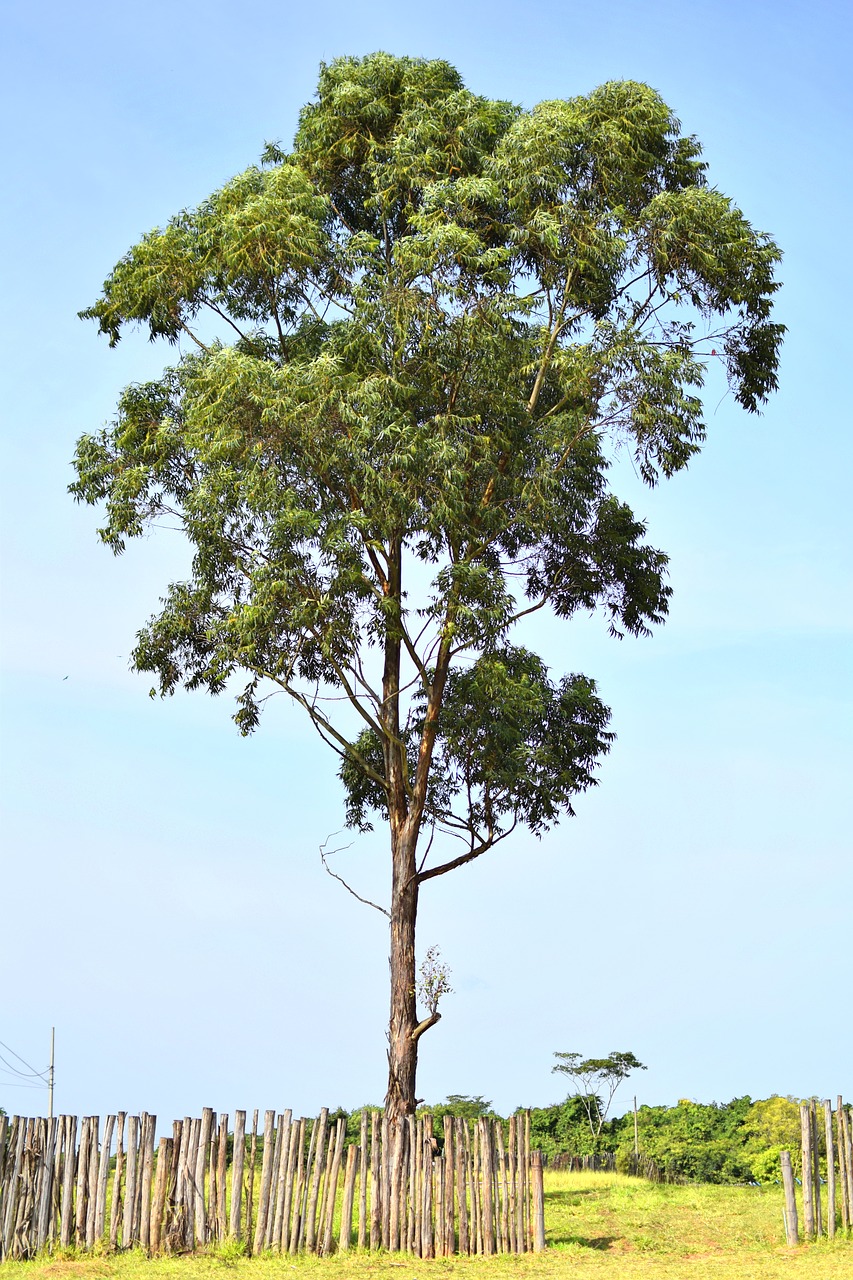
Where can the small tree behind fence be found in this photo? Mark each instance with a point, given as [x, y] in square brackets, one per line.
[296, 1186]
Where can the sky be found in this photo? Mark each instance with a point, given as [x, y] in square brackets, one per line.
[164, 904]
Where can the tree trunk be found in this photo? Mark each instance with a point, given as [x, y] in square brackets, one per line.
[402, 1047]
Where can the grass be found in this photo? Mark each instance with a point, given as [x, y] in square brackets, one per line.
[599, 1227]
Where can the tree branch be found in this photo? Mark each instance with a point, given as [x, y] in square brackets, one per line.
[425, 1025]
[335, 876]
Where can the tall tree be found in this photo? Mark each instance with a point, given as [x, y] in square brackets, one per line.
[411, 346]
[593, 1077]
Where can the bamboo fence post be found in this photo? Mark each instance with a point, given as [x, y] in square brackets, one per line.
[538, 1201]
[417, 1186]
[160, 1188]
[830, 1170]
[375, 1183]
[284, 1238]
[69, 1168]
[296, 1224]
[332, 1178]
[792, 1228]
[362, 1181]
[276, 1211]
[103, 1178]
[807, 1171]
[266, 1179]
[349, 1198]
[237, 1161]
[251, 1179]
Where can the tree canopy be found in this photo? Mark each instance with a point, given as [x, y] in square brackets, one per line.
[409, 348]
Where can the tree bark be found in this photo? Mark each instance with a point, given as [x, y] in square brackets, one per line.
[402, 1046]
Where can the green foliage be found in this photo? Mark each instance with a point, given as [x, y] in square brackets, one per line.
[692, 1141]
[410, 349]
[597, 1077]
[563, 1128]
[437, 316]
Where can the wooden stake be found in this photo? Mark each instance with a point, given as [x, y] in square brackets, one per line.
[251, 1180]
[116, 1204]
[349, 1198]
[161, 1186]
[362, 1181]
[792, 1229]
[238, 1159]
[830, 1170]
[103, 1177]
[332, 1186]
[538, 1202]
[807, 1171]
[266, 1180]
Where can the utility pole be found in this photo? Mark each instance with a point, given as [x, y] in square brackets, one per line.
[50, 1075]
[636, 1132]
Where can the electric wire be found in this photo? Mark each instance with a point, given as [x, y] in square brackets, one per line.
[31, 1073]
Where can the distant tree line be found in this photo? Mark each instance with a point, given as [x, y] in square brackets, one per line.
[720, 1142]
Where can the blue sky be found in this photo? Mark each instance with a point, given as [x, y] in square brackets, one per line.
[165, 907]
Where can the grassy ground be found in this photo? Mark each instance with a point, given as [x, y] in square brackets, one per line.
[599, 1227]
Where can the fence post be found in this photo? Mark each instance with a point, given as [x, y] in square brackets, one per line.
[538, 1201]
[792, 1226]
[807, 1170]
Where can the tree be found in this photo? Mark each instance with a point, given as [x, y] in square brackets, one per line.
[414, 343]
[594, 1076]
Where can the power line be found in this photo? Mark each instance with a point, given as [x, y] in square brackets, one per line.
[32, 1071]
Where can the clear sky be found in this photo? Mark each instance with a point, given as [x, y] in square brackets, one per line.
[163, 900]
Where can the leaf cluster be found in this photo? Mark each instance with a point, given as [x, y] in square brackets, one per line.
[409, 349]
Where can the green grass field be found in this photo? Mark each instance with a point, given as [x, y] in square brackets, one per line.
[598, 1225]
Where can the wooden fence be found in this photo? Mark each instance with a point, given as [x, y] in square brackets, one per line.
[820, 1128]
[297, 1186]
